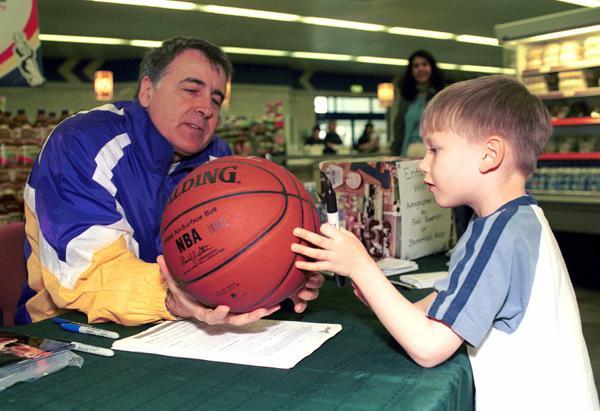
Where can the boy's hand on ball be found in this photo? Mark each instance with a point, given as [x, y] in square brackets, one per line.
[180, 305]
[337, 250]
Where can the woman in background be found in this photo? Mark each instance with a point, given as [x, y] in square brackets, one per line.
[423, 79]
[421, 82]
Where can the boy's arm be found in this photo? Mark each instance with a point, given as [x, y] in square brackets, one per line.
[427, 341]
[425, 303]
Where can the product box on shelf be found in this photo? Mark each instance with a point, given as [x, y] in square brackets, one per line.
[384, 202]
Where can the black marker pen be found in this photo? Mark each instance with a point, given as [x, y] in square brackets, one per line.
[333, 219]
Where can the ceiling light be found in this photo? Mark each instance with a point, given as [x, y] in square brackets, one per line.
[145, 43]
[447, 66]
[344, 24]
[586, 3]
[256, 14]
[275, 53]
[163, 4]
[320, 21]
[83, 39]
[103, 85]
[382, 60]
[320, 56]
[557, 35]
[255, 52]
[467, 38]
[405, 31]
[385, 94]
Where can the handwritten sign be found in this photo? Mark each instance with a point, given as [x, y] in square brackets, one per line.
[425, 226]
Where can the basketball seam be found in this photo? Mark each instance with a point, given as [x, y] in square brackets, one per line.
[283, 193]
[274, 289]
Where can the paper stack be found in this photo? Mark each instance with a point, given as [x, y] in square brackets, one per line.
[394, 266]
[423, 280]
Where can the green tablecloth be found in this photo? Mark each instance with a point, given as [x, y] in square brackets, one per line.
[360, 368]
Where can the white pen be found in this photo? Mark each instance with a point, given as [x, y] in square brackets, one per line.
[91, 349]
[334, 219]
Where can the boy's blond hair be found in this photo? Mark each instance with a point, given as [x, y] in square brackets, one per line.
[492, 105]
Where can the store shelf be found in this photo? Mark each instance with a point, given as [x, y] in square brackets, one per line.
[567, 197]
[580, 65]
[576, 121]
[571, 213]
[570, 156]
[558, 95]
[566, 211]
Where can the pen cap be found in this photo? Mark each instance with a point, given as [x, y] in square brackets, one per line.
[330, 199]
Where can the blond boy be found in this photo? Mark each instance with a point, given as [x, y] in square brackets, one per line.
[508, 295]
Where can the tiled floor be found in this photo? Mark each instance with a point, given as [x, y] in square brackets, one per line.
[589, 309]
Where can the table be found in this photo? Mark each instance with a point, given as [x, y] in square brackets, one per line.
[360, 368]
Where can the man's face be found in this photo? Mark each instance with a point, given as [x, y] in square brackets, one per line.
[451, 169]
[184, 104]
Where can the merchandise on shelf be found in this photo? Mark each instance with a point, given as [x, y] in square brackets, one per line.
[551, 55]
[536, 84]
[569, 68]
[567, 177]
[572, 80]
[561, 64]
[20, 143]
[262, 136]
[570, 51]
[591, 48]
[535, 58]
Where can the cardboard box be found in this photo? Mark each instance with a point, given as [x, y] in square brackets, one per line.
[386, 205]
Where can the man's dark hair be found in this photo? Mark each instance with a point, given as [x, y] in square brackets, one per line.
[156, 60]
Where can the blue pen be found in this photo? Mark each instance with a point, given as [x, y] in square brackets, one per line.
[84, 328]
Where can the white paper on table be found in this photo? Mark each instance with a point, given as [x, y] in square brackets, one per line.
[264, 343]
[392, 266]
[423, 280]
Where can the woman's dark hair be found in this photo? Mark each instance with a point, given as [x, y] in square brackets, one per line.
[408, 89]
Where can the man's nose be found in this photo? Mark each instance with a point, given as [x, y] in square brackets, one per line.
[204, 107]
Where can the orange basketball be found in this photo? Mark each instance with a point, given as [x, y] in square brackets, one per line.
[227, 230]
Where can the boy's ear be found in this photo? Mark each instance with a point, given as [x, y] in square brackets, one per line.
[146, 91]
[494, 149]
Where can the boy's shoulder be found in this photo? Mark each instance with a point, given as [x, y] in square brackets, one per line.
[522, 222]
[517, 220]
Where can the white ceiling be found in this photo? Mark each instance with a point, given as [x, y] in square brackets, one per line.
[475, 17]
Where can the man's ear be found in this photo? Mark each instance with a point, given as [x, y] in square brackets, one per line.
[146, 91]
[494, 150]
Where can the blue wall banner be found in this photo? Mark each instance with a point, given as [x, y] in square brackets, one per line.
[20, 59]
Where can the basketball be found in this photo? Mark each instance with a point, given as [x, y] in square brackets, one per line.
[227, 229]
